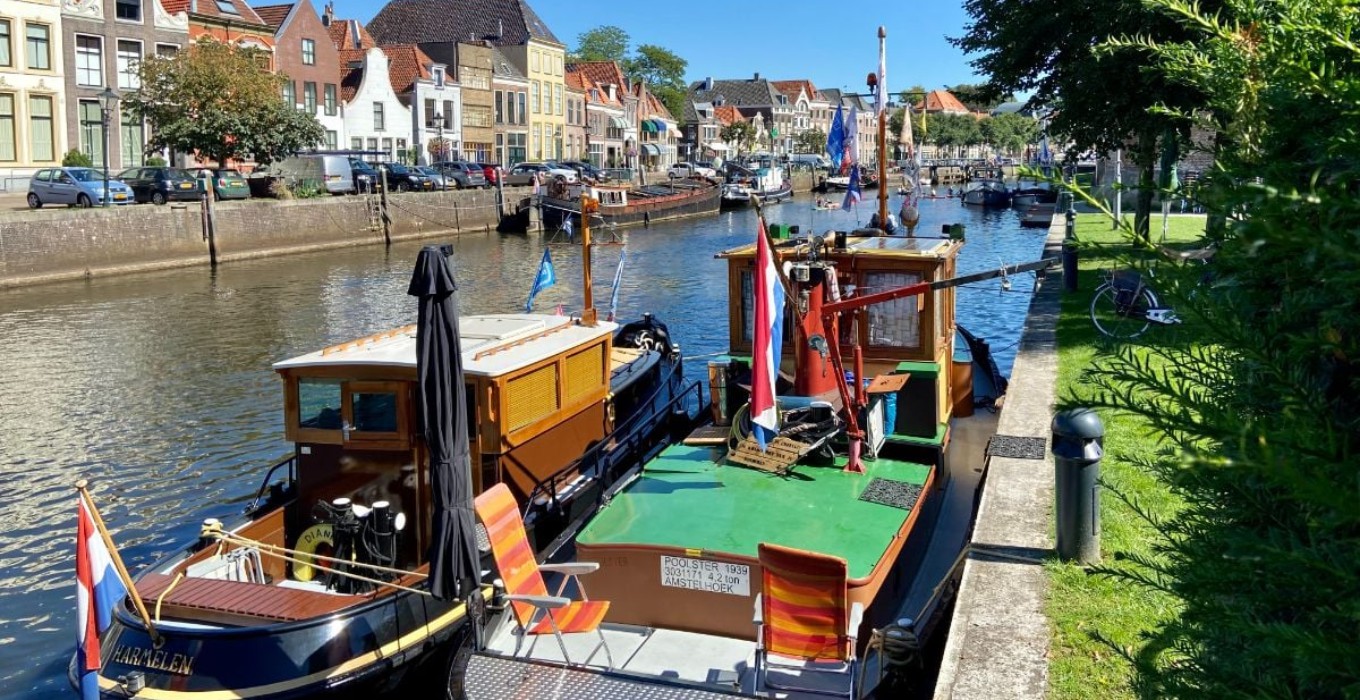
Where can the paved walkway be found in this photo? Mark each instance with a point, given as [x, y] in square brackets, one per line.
[999, 637]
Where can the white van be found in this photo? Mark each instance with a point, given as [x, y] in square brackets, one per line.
[816, 161]
[331, 171]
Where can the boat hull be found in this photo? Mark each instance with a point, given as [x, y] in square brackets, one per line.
[359, 651]
[700, 202]
[992, 199]
[735, 200]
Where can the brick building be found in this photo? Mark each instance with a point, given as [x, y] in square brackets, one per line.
[304, 53]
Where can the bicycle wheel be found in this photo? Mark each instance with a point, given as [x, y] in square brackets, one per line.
[1119, 318]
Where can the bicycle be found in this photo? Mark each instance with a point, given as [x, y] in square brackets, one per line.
[1125, 305]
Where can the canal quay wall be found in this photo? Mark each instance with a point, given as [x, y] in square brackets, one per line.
[999, 636]
[52, 245]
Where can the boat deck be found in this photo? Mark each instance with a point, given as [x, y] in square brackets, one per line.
[687, 497]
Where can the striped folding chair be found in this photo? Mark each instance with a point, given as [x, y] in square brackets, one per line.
[803, 612]
[536, 612]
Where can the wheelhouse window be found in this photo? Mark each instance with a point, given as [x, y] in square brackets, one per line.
[363, 414]
[748, 308]
[375, 411]
[319, 404]
[896, 323]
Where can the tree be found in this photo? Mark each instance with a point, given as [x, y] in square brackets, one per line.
[1098, 100]
[662, 72]
[978, 98]
[913, 96]
[952, 131]
[743, 134]
[220, 101]
[810, 141]
[1010, 132]
[606, 43]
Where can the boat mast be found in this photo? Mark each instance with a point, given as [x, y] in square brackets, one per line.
[882, 135]
[588, 204]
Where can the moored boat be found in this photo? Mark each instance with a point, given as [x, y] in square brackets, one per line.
[989, 193]
[766, 185]
[324, 586]
[623, 205]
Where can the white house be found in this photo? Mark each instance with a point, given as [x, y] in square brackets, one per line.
[32, 90]
[434, 99]
[375, 119]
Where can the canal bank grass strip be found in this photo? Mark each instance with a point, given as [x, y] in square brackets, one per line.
[1098, 621]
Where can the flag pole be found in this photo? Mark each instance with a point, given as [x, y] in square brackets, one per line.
[117, 559]
[882, 134]
[588, 315]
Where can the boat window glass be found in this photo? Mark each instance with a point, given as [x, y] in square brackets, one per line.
[319, 403]
[375, 412]
[896, 323]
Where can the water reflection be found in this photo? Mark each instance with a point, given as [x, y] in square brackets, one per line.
[157, 386]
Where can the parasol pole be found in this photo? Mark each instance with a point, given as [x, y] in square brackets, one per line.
[882, 140]
[117, 559]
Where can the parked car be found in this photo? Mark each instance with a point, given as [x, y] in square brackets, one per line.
[331, 171]
[463, 173]
[79, 186]
[683, 170]
[227, 183]
[524, 173]
[585, 170]
[402, 178]
[440, 181]
[366, 177]
[492, 172]
[159, 184]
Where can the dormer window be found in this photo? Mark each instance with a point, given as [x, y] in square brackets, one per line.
[227, 7]
[438, 77]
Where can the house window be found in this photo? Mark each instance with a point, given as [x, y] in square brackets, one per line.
[89, 60]
[538, 142]
[128, 10]
[290, 93]
[500, 148]
[533, 61]
[401, 150]
[476, 115]
[166, 50]
[515, 151]
[309, 97]
[227, 7]
[330, 100]
[308, 52]
[332, 140]
[523, 113]
[429, 113]
[42, 139]
[450, 116]
[387, 147]
[500, 108]
[379, 117]
[439, 77]
[373, 144]
[134, 140]
[557, 99]
[129, 63]
[39, 48]
[91, 131]
[9, 146]
[6, 55]
[356, 143]
[533, 91]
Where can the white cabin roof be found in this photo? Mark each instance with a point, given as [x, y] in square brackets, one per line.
[525, 339]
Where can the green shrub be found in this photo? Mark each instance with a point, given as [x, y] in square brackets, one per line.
[155, 161]
[75, 158]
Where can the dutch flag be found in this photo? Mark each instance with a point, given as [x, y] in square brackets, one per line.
[98, 591]
[769, 335]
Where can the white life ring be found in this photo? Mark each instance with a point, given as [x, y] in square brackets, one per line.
[312, 539]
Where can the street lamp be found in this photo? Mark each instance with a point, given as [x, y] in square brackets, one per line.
[108, 101]
[438, 120]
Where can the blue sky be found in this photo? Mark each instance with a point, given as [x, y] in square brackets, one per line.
[834, 44]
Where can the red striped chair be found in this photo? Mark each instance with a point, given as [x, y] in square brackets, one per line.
[536, 612]
[803, 612]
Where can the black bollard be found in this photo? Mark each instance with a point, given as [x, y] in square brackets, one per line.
[1078, 445]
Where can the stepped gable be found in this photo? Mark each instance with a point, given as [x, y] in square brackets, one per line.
[501, 22]
[352, 41]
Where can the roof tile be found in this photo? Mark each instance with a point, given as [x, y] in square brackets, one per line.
[502, 22]
[274, 15]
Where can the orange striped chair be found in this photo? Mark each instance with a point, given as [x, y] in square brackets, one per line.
[803, 612]
[536, 612]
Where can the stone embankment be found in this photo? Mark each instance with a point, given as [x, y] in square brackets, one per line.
[61, 244]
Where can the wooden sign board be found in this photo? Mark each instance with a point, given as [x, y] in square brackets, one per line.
[888, 383]
[778, 456]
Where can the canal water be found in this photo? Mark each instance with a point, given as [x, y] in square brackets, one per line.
[158, 389]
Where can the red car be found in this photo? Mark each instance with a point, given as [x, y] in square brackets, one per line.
[492, 172]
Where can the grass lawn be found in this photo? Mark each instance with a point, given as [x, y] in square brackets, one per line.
[1091, 613]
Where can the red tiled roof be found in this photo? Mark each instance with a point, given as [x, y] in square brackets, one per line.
[943, 101]
[574, 76]
[727, 115]
[405, 64]
[208, 8]
[344, 32]
[650, 105]
[175, 6]
[791, 88]
[274, 15]
[602, 72]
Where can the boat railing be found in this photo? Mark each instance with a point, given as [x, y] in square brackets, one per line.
[600, 460]
[291, 463]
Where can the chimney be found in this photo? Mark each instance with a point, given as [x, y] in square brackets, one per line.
[708, 83]
[756, 78]
[354, 31]
[329, 15]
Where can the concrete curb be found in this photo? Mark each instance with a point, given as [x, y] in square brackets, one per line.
[999, 637]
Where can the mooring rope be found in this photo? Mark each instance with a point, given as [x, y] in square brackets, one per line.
[290, 555]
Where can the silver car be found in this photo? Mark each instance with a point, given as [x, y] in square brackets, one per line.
[82, 187]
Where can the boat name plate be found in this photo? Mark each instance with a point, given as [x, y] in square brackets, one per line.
[706, 575]
[155, 659]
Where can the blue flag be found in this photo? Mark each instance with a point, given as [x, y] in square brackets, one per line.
[852, 195]
[545, 278]
[835, 140]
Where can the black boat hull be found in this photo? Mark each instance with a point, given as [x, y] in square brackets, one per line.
[701, 203]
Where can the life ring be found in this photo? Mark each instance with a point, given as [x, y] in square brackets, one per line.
[312, 539]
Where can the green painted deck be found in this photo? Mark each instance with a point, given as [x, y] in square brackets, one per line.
[686, 499]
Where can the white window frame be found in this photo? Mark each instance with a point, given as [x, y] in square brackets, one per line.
[141, 15]
[133, 69]
[83, 54]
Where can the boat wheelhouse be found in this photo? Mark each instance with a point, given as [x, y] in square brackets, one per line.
[323, 586]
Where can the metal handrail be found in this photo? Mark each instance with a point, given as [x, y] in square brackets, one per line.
[290, 462]
[590, 460]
